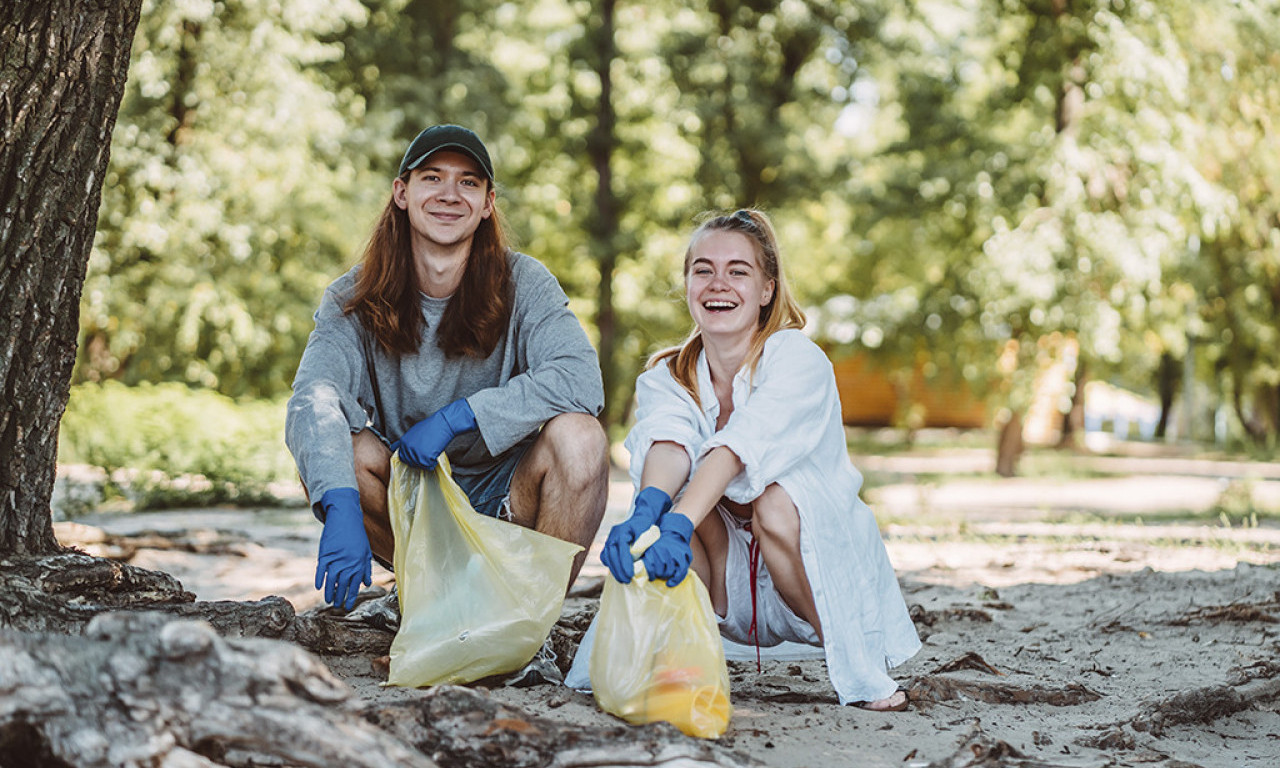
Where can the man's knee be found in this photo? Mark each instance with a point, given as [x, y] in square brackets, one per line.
[372, 457]
[577, 444]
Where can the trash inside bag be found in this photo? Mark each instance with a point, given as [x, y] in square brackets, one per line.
[658, 656]
[477, 595]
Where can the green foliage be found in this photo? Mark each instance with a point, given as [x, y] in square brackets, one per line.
[230, 196]
[167, 445]
[946, 177]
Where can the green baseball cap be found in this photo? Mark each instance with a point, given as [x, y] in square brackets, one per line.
[439, 137]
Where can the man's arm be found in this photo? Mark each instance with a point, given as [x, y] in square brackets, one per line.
[325, 407]
[561, 370]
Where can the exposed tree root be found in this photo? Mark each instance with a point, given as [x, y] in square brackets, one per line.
[459, 727]
[149, 689]
[933, 688]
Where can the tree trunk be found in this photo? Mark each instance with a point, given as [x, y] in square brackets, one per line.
[1010, 446]
[1073, 420]
[61, 79]
[603, 225]
[1167, 385]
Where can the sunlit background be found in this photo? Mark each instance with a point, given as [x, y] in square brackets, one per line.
[989, 207]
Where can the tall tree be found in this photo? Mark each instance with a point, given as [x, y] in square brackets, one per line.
[61, 78]
[237, 186]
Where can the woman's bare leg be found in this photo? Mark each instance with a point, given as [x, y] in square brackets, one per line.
[775, 523]
[710, 546]
[776, 526]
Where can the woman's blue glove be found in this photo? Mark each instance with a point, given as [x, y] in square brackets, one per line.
[649, 505]
[345, 560]
[669, 557]
[422, 445]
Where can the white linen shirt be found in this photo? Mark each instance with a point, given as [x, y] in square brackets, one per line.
[786, 428]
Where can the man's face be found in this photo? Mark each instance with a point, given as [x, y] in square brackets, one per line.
[446, 197]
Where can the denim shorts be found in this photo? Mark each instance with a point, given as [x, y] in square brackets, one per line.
[488, 490]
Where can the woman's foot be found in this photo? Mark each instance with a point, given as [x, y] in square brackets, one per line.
[896, 702]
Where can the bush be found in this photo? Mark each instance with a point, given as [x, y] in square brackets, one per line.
[169, 445]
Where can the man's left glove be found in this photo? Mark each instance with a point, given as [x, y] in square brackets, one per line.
[345, 560]
[422, 445]
[669, 557]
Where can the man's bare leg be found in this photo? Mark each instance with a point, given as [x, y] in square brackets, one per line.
[373, 476]
[562, 484]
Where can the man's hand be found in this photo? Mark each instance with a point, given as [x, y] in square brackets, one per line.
[345, 560]
[422, 445]
[649, 505]
[670, 555]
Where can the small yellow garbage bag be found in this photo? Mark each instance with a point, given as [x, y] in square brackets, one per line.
[658, 656]
[477, 595]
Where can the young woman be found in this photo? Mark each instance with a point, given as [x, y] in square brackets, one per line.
[741, 426]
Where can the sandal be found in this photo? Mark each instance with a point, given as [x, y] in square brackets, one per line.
[893, 705]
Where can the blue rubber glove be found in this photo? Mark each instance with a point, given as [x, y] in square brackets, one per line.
[422, 445]
[345, 560]
[649, 505]
[670, 555]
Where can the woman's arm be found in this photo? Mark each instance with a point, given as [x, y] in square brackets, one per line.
[666, 467]
[708, 484]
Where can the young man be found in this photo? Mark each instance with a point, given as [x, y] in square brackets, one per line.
[444, 339]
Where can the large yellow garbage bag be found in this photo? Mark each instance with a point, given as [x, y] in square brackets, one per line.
[658, 655]
[477, 595]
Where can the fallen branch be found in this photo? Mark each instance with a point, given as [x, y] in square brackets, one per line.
[970, 660]
[935, 688]
[1203, 705]
[977, 750]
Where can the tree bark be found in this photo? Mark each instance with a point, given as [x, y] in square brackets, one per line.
[61, 80]
[1167, 386]
[1073, 420]
[1010, 446]
[603, 225]
[149, 689]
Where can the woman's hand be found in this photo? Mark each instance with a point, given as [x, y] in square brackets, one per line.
[649, 506]
[669, 557]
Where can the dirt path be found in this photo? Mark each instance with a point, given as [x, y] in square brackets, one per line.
[1092, 643]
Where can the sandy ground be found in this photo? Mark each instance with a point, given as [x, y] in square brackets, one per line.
[1061, 623]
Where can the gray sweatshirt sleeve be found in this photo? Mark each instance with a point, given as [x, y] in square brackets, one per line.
[325, 408]
[560, 370]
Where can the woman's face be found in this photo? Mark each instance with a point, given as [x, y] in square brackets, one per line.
[726, 287]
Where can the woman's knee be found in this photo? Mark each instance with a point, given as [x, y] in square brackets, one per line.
[775, 514]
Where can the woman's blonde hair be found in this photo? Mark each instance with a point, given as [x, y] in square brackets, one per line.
[781, 312]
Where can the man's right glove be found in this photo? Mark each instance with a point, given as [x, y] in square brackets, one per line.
[422, 445]
[345, 560]
[669, 557]
[650, 504]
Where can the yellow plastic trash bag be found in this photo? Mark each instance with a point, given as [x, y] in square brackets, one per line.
[658, 656]
[477, 595]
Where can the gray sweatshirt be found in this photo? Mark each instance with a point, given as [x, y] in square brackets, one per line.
[543, 366]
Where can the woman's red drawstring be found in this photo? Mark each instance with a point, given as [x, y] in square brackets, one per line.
[753, 559]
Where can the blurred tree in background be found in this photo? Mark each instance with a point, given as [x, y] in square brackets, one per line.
[235, 166]
[952, 182]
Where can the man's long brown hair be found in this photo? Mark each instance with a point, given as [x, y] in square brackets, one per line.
[386, 297]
